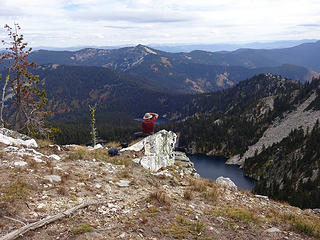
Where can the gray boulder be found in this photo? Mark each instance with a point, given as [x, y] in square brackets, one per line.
[227, 182]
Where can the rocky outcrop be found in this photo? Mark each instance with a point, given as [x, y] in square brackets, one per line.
[182, 160]
[280, 129]
[158, 150]
[10, 137]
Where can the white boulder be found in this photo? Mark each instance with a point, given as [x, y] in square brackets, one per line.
[158, 150]
[227, 182]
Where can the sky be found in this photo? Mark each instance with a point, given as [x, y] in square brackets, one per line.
[58, 23]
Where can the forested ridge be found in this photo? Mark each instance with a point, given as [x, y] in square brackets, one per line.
[289, 170]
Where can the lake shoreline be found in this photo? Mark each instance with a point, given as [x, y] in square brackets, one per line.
[213, 167]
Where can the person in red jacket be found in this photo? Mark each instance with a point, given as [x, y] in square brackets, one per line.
[148, 123]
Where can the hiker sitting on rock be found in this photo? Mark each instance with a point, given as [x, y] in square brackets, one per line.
[148, 125]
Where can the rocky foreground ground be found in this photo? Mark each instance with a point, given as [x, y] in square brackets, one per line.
[123, 200]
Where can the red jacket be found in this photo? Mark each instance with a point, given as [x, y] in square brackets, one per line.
[148, 125]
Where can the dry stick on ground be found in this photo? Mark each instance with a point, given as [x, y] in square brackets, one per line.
[16, 233]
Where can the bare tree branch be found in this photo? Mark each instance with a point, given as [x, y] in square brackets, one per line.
[16, 233]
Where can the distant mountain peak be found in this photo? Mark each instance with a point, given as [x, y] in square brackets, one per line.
[146, 49]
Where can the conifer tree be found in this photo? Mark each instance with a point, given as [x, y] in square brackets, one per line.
[28, 100]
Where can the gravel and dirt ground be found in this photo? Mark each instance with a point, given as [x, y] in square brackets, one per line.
[130, 202]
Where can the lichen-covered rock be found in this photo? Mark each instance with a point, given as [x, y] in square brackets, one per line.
[227, 182]
[158, 150]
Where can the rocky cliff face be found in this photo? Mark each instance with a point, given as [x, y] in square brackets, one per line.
[280, 129]
[116, 198]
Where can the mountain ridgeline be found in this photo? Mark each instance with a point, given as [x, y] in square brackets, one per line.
[194, 72]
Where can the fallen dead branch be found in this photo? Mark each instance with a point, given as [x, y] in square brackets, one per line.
[16, 233]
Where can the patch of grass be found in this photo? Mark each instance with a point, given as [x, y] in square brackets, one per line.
[44, 142]
[125, 173]
[178, 229]
[119, 160]
[181, 228]
[211, 195]
[150, 212]
[199, 185]
[73, 198]
[17, 190]
[187, 195]
[230, 225]
[240, 214]
[100, 155]
[83, 228]
[198, 227]
[308, 226]
[159, 197]
[82, 177]
[78, 154]
[113, 144]
[186, 210]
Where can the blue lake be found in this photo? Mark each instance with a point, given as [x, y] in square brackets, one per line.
[214, 167]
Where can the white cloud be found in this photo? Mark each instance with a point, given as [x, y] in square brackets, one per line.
[115, 22]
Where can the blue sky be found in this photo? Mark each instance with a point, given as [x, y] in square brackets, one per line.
[59, 23]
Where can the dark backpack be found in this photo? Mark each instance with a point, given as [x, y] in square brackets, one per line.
[113, 151]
